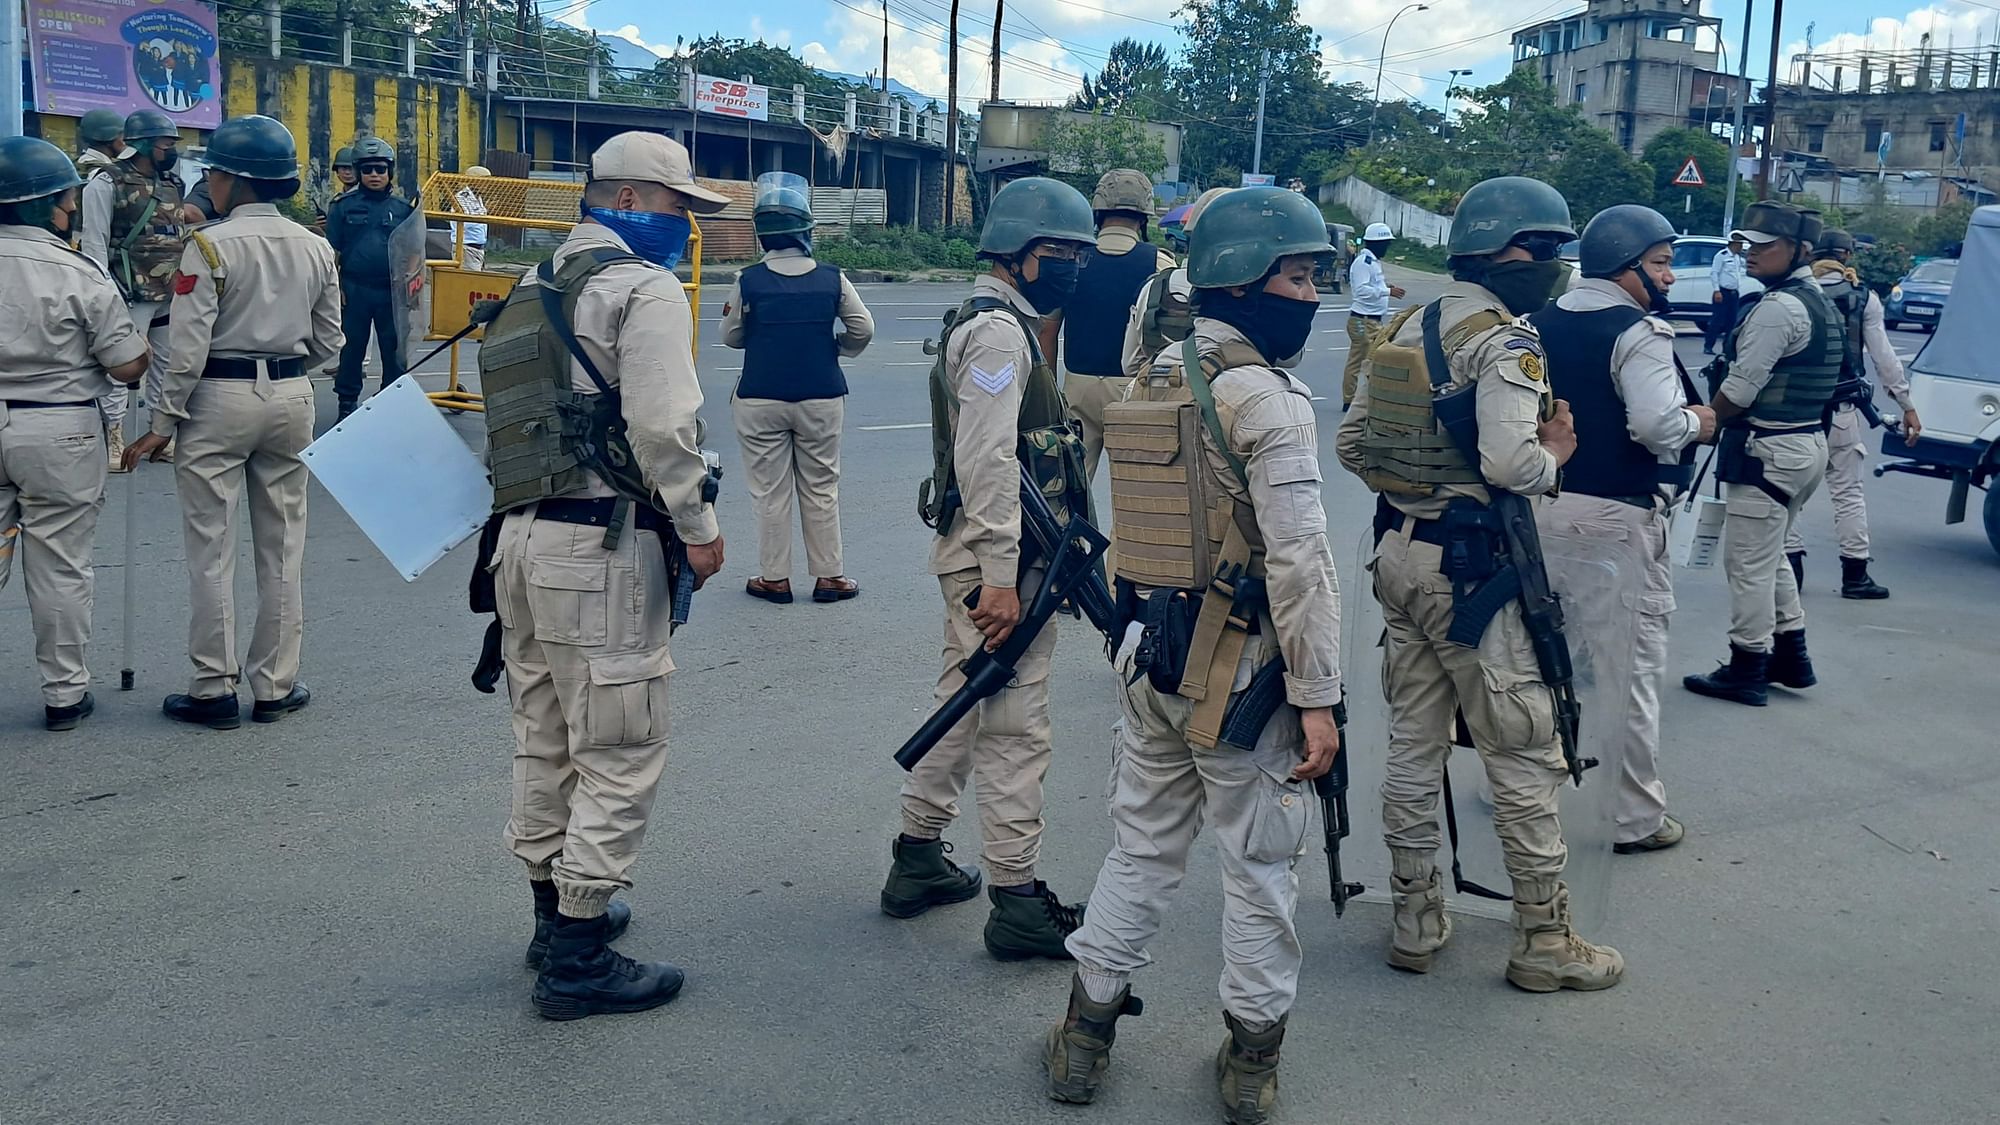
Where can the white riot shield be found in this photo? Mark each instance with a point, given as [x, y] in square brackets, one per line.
[1595, 579]
[404, 476]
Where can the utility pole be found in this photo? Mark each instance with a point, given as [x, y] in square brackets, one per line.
[885, 46]
[1384, 58]
[1771, 106]
[950, 116]
[999, 6]
[1263, 87]
[1736, 130]
[10, 57]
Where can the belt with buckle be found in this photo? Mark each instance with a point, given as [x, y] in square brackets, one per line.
[596, 512]
[291, 367]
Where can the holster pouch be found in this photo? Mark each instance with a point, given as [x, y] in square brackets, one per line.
[1169, 617]
[1473, 549]
[1735, 464]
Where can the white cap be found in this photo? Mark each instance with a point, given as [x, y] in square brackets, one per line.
[479, 170]
[654, 159]
[1378, 232]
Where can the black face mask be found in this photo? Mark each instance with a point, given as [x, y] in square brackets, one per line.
[1054, 285]
[1523, 286]
[1656, 297]
[1278, 327]
[166, 161]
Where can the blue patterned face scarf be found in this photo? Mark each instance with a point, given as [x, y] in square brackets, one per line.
[653, 235]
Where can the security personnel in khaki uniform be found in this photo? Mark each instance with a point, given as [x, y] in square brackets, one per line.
[1637, 422]
[133, 226]
[255, 308]
[580, 567]
[1846, 438]
[994, 404]
[1780, 367]
[791, 398]
[67, 329]
[102, 132]
[1502, 250]
[1092, 325]
[1162, 315]
[1248, 470]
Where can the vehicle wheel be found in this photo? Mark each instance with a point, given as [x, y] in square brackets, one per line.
[1927, 329]
[1992, 513]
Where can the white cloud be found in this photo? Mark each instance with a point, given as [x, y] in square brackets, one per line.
[630, 33]
[1963, 29]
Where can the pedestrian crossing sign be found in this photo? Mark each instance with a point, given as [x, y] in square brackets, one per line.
[1690, 175]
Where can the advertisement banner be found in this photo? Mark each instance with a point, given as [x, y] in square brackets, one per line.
[126, 56]
[731, 98]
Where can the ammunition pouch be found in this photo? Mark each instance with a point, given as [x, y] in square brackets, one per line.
[1735, 464]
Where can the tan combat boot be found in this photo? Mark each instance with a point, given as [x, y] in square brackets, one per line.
[114, 445]
[1079, 1048]
[1421, 925]
[1548, 956]
[1246, 1071]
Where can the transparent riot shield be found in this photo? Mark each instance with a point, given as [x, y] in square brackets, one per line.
[407, 277]
[1597, 577]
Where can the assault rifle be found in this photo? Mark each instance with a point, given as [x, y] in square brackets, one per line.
[1244, 724]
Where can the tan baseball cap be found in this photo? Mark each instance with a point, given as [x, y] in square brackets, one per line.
[654, 159]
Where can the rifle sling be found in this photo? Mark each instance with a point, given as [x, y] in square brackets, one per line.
[1220, 634]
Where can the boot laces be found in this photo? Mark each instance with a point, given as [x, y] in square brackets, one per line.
[1064, 918]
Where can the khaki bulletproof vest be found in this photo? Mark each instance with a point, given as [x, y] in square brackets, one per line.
[1165, 317]
[1403, 449]
[146, 235]
[544, 438]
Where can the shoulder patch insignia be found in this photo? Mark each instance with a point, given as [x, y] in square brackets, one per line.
[1531, 365]
[993, 382]
[184, 284]
[1524, 344]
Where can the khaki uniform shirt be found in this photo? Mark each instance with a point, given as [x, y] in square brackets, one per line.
[1268, 419]
[65, 322]
[1778, 326]
[1875, 341]
[986, 363]
[634, 322]
[1642, 372]
[1138, 357]
[857, 325]
[279, 299]
[1508, 404]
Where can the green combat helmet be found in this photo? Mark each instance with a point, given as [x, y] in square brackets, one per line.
[1033, 209]
[344, 158]
[32, 168]
[1126, 191]
[1497, 211]
[254, 147]
[783, 205]
[100, 126]
[1619, 236]
[1244, 232]
[1833, 242]
[374, 148]
[150, 124]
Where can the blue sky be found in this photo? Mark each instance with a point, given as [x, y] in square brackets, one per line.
[1047, 44]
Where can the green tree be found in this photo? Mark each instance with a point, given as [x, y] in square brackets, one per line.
[1081, 147]
[1133, 78]
[1215, 83]
[1937, 231]
[1667, 154]
[1882, 265]
[1594, 173]
[1516, 130]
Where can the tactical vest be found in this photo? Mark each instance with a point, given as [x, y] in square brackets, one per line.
[1403, 449]
[1093, 328]
[789, 351]
[1169, 512]
[1607, 461]
[146, 235]
[1165, 317]
[544, 438]
[1801, 385]
[1850, 302]
[1051, 451]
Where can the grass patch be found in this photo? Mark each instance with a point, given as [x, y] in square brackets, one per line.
[1404, 252]
[900, 249]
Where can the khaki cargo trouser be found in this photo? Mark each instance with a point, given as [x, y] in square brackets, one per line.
[1763, 593]
[791, 450]
[52, 470]
[1087, 396]
[1846, 469]
[1642, 797]
[234, 437]
[1160, 791]
[584, 636]
[1510, 712]
[1005, 742]
[115, 405]
[1360, 341]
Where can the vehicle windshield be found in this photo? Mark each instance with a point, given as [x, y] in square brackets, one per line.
[1938, 272]
[1694, 255]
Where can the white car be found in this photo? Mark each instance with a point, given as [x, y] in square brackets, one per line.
[1693, 292]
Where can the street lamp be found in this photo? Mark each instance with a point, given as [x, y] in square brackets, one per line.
[1450, 86]
[1383, 58]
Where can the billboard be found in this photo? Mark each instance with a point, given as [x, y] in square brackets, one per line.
[126, 55]
[731, 98]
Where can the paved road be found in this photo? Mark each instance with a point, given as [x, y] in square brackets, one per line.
[316, 922]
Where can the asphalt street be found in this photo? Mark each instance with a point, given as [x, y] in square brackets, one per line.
[317, 922]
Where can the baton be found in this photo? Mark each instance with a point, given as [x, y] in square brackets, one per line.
[131, 553]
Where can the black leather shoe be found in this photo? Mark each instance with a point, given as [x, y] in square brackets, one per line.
[584, 976]
[617, 916]
[221, 712]
[66, 718]
[271, 710]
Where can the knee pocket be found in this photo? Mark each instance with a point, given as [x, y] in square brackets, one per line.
[1520, 715]
[1277, 818]
[626, 702]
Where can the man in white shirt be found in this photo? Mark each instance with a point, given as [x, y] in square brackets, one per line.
[1726, 274]
[472, 236]
[1370, 292]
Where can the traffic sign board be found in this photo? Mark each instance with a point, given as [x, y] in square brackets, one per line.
[1791, 180]
[1690, 175]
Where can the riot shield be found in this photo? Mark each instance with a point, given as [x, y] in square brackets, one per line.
[407, 277]
[1596, 577]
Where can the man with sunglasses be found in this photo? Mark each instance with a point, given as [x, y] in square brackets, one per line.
[359, 224]
[1434, 528]
[1779, 370]
[995, 409]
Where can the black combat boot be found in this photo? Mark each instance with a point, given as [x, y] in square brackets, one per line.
[584, 976]
[1798, 561]
[1031, 925]
[1079, 1048]
[1790, 665]
[1855, 583]
[921, 877]
[343, 408]
[1246, 1072]
[1742, 680]
[617, 916]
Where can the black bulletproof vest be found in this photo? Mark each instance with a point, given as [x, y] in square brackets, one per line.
[1607, 461]
[1093, 332]
[789, 350]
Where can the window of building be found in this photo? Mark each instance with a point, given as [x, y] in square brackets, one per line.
[1625, 132]
[1938, 129]
[1582, 92]
[1656, 29]
[1599, 32]
[1815, 138]
[1871, 135]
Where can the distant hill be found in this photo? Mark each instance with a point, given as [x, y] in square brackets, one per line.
[895, 87]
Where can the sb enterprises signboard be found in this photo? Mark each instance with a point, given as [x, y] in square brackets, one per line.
[126, 55]
[732, 99]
